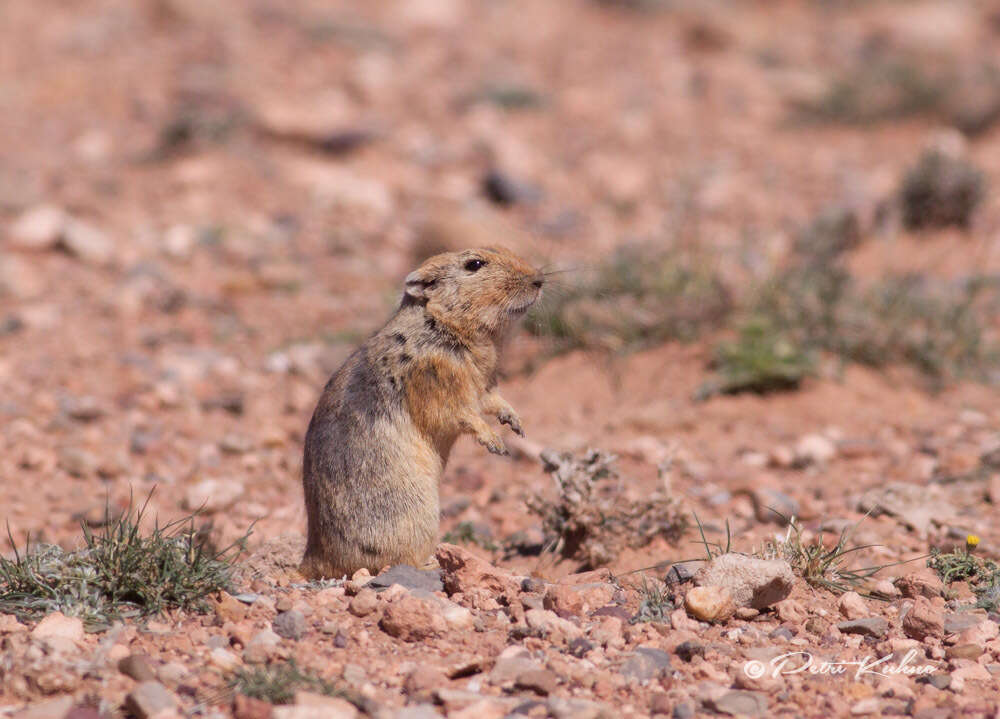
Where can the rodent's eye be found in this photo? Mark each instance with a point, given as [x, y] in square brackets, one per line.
[473, 265]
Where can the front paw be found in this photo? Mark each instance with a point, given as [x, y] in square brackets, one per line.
[509, 417]
[493, 443]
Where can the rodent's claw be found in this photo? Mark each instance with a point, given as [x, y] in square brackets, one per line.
[495, 445]
[512, 421]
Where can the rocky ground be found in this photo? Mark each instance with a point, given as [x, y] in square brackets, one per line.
[203, 208]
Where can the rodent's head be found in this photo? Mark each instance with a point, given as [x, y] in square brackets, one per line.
[475, 292]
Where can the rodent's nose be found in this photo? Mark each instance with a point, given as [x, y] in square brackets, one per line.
[538, 281]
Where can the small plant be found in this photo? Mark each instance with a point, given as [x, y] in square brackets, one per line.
[640, 297]
[656, 603]
[119, 573]
[762, 359]
[941, 190]
[589, 521]
[819, 565]
[278, 683]
[466, 533]
[983, 575]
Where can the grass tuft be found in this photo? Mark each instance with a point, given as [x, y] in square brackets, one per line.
[119, 573]
[656, 603]
[278, 683]
[640, 297]
[819, 565]
[762, 359]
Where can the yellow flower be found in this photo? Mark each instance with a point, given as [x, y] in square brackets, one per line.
[971, 541]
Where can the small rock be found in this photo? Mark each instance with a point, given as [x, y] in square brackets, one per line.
[688, 650]
[333, 707]
[770, 505]
[463, 571]
[213, 495]
[550, 624]
[149, 699]
[756, 583]
[409, 577]
[852, 606]
[77, 462]
[710, 604]
[137, 666]
[52, 709]
[923, 620]
[502, 189]
[560, 708]
[413, 619]
[364, 603]
[223, 659]
[172, 673]
[646, 664]
[541, 681]
[660, 704]
[290, 625]
[86, 242]
[739, 703]
[249, 708]
[869, 626]
[83, 409]
[229, 609]
[924, 583]
[59, 626]
[814, 449]
[424, 679]
[682, 572]
[964, 651]
[38, 228]
[958, 622]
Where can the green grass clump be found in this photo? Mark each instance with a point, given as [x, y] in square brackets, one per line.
[120, 572]
[941, 329]
[983, 575]
[822, 566]
[638, 298]
[278, 683]
[762, 359]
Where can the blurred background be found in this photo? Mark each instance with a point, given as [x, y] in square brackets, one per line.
[770, 219]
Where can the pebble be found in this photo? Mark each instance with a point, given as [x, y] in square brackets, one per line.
[814, 449]
[868, 626]
[364, 603]
[710, 604]
[149, 699]
[540, 681]
[550, 624]
[223, 659]
[923, 620]
[138, 667]
[409, 577]
[463, 571]
[59, 626]
[413, 619]
[86, 242]
[852, 606]
[646, 664]
[38, 228]
[289, 625]
[739, 703]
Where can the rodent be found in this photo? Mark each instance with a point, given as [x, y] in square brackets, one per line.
[382, 430]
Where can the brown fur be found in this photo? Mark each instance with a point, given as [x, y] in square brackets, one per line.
[382, 430]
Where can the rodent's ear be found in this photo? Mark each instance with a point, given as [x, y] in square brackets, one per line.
[417, 283]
